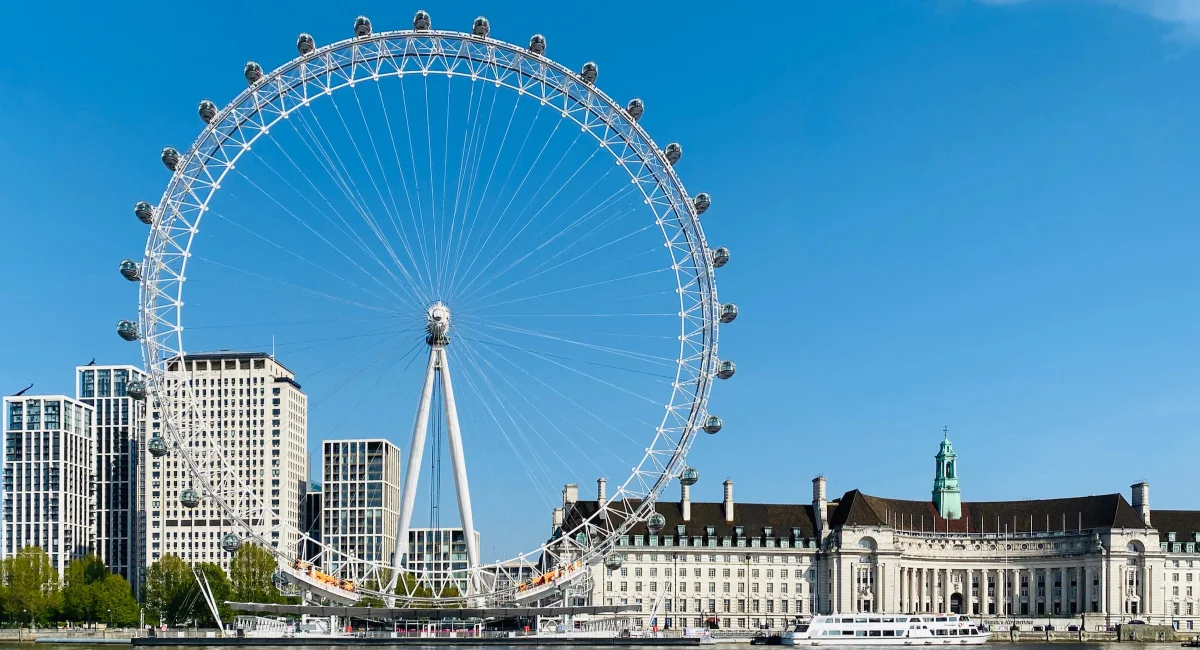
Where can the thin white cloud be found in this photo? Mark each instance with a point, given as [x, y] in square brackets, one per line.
[1184, 15]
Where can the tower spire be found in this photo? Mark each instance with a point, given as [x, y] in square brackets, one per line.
[947, 497]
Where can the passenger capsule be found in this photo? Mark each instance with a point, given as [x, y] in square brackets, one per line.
[728, 312]
[170, 158]
[127, 330]
[726, 369]
[156, 446]
[208, 111]
[143, 212]
[136, 389]
[712, 424]
[129, 270]
[481, 27]
[362, 26]
[589, 72]
[189, 499]
[635, 108]
[673, 152]
[421, 21]
[613, 561]
[720, 257]
[305, 44]
[655, 523]
[701, 203]
[253, 72]
[537, 44]
[230, 542]
[689, 476]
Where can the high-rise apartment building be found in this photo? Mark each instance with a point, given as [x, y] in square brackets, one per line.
[118, 428]
[360, 503]
[251, 406]
[48, 476]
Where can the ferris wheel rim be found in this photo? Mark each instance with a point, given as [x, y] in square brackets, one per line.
[660, 471]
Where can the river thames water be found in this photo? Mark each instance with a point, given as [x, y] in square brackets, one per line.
[743, 644]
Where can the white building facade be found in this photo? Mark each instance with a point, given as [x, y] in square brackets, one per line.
[118, 429]
[252, 406]
[48, 476]
[360, 503]
[1092, 561]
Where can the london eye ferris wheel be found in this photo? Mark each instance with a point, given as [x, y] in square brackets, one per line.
[399, 204]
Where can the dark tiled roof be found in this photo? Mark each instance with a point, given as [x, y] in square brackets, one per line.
[1038, 515]
[752, 517]
[1184, 523]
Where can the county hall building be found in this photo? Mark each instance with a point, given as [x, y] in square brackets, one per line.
[1098, 560]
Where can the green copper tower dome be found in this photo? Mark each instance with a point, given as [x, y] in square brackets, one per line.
[946, 496]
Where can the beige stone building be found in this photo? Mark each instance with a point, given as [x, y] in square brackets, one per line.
[1091, 560]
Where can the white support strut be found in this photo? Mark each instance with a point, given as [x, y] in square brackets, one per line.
[460, 467]
[412, 473]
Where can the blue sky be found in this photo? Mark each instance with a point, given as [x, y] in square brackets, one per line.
[942, 213]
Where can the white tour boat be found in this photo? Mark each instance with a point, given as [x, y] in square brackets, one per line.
[880, 629]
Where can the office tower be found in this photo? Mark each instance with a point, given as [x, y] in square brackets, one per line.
[360, 503]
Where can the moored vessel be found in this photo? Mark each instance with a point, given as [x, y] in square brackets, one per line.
[924, 629]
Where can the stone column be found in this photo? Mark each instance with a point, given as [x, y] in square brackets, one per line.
[1000, 585]
[880, 605]
[946, 590]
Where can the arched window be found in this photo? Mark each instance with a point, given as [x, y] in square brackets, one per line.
[950, 469]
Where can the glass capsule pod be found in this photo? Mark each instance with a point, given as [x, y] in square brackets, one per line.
[726, 369]
[130, 271]
[421, 21]
[613, 561]
[170, 158]
[589, 72]
[481, 27]
[253, 72]
[673, 152]
[189, 498]
[230, 542]
[157, 446]
[712, 424]
[305, 44]
[655, 523]
[127, 330]
[207, 110]
[144, 212]
[720, 257]
[701, 203]
[136, 389]
[689, 476]
[636, 108]
[537, 44]
[729, 312]
[362, 26]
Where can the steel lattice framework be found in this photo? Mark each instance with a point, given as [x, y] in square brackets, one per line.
[196, 439]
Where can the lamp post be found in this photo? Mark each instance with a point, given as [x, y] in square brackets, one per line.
[675, 579]
[110, 617]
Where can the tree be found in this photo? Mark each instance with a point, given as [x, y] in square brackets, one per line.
[80, 583]
[222, 590]
[32, 586]
[115, 601]
[251, 572]
[168, 585]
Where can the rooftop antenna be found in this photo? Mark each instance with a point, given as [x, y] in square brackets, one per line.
[272, 347]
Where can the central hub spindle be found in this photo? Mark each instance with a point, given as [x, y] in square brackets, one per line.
[437, 324]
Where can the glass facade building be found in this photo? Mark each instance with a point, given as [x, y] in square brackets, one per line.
[118, 434]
